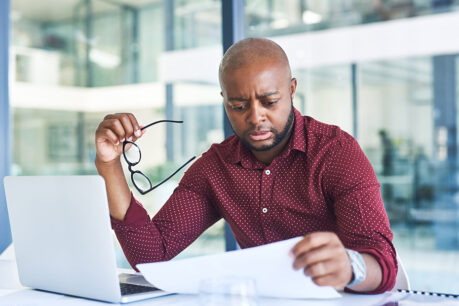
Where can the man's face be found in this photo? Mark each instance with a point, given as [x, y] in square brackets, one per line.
[258, 101]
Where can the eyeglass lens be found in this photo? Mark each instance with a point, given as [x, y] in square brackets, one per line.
[141, 181]
[132, 153]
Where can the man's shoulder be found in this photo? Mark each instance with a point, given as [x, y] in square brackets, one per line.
[210, 164]
[219, 153]
[230, 143]
[321, 134]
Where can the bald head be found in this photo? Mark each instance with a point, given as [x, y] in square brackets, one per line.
[251, 51]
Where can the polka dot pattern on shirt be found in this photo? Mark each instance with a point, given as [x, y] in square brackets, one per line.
[322, 181]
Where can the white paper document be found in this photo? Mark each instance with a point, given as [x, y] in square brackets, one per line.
[270, 266]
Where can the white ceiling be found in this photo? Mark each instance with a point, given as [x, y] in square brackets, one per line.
[52, 10]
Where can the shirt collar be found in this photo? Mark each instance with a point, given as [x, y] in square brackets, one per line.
[297, 142]
[298, 139]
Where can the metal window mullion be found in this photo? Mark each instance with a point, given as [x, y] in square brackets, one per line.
[89, 35]
[355, 88]
[169, 87]
[232, 31]
[5, 131]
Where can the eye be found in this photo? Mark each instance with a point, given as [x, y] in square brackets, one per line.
[270, 103]
[238, 107]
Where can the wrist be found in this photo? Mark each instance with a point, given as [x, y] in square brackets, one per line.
[103, 166]
[358, 267]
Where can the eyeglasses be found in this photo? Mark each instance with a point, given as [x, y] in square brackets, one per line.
[132, 156]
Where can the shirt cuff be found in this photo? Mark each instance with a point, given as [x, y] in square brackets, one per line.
[136, 215]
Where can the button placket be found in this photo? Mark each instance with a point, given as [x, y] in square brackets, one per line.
[266, 192]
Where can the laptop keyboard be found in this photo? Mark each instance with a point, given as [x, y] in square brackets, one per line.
[127, 289]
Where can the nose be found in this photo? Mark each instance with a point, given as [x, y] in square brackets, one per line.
[256, 113]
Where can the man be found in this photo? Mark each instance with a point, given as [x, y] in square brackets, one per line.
[280, 176]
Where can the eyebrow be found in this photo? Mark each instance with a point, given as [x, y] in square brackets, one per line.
[267, 94]
[263, 95]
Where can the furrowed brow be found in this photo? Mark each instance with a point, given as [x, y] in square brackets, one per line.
[238, 99]
[267, 94]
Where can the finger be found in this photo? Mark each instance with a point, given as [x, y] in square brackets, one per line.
[134, 137]
[128, 120]
[309, 242]
[339, 267]
[127, 125]
[128, 146]
[329, 280]
[135, 124]
[106, 134]
[322, 253]
[321, 268]
[109, 116]
[116, 127]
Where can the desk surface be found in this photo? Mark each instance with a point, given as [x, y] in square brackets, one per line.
[12, 293]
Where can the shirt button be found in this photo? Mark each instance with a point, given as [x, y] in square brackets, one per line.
[264, 210]
[268, 172]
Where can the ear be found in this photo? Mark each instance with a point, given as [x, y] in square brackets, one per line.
[293, 84]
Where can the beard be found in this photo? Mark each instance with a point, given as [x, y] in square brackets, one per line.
[278, 137]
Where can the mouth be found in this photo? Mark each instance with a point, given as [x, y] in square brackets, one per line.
[261, 135]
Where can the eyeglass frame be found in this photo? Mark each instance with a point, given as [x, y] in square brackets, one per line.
[130, 164]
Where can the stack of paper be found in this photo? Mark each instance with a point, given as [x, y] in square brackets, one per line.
[269, 265]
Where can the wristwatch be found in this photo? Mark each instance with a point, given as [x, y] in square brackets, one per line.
[359, 270]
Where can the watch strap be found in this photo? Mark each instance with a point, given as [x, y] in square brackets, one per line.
[359, 269]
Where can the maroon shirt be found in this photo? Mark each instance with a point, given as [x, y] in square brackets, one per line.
[322, 181]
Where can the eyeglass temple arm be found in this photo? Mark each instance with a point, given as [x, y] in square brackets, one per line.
[153, 123]
[165, 180]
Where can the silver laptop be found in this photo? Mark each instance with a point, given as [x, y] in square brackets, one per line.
[63, 240]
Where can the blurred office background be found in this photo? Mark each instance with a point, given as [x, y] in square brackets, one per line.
[384, 71]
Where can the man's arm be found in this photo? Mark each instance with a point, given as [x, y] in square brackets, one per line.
[350, 183]
[118, 192]
[110, 134]
[186, 214]
[362, 223]
[181, 220]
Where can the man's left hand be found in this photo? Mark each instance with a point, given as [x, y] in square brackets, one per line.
[323, 257]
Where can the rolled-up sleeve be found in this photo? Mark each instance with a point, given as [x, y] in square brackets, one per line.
[362, 221]
[185, 215]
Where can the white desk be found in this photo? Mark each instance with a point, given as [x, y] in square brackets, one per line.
[12, 294]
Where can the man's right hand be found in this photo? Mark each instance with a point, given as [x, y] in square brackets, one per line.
[111, 133]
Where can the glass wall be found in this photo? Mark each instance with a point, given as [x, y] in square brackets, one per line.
[278, 17]
[406, 132]
[403, 111]
[325, 94]
[76, 61]
[407, 123]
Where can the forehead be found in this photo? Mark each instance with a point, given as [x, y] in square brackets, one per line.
[259, 76]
